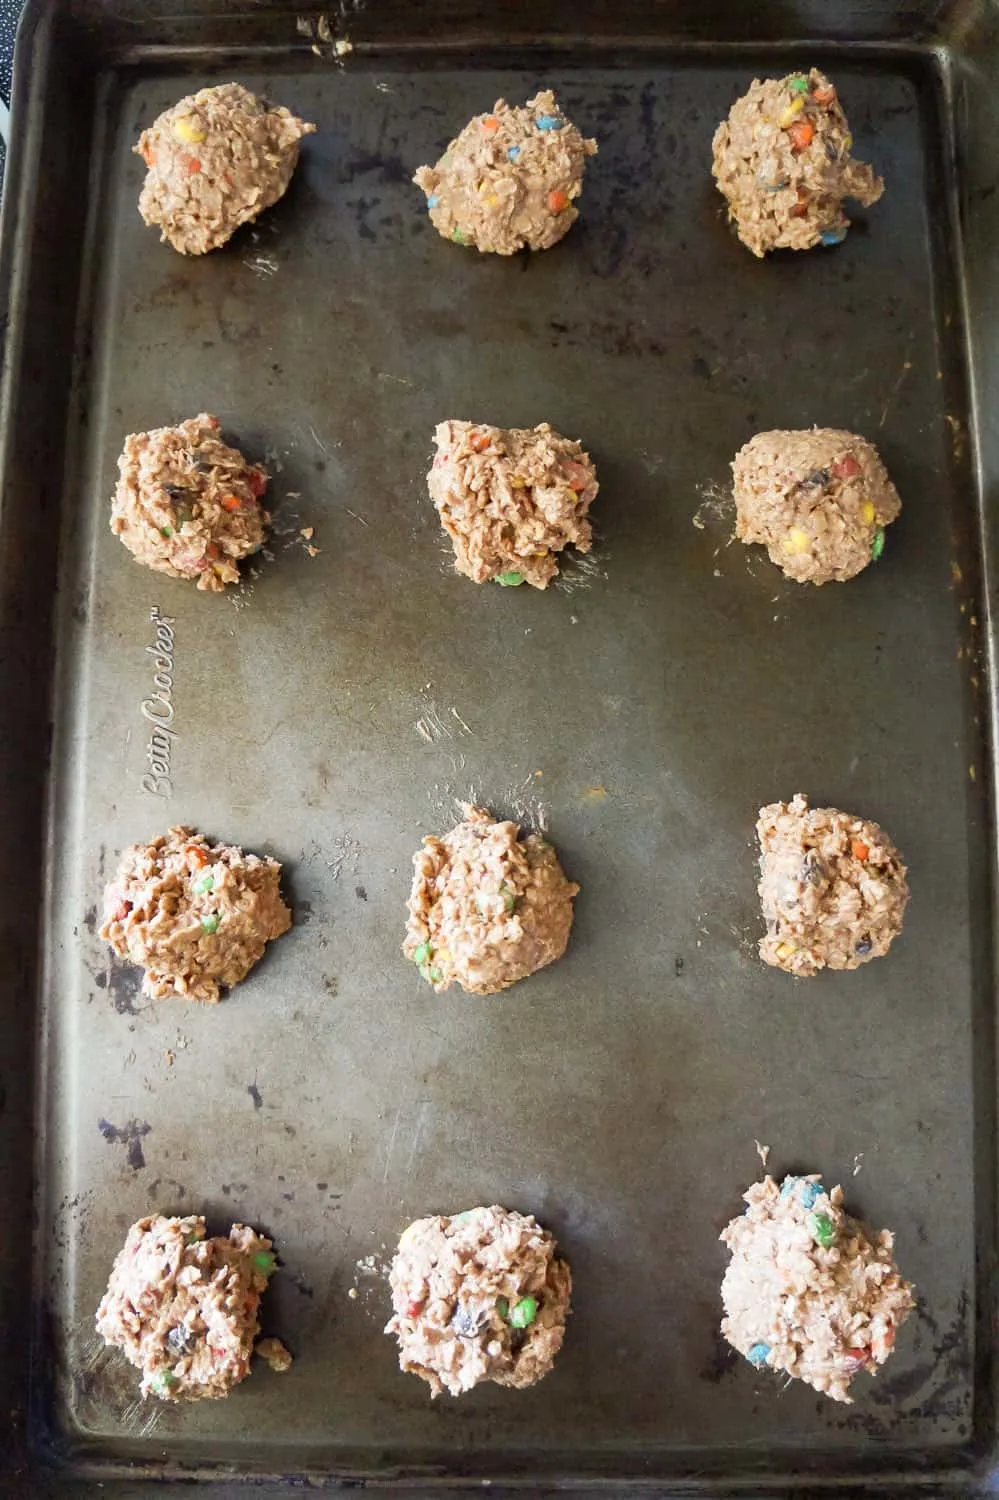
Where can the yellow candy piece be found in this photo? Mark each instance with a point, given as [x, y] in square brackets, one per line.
[189, 131]
[791, 113]
[516, 483]
[785, 950]
[868, 512]
[796, 540]
[848, 141]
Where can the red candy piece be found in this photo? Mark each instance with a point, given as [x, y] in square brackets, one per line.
[846, 467]
[413, 1309]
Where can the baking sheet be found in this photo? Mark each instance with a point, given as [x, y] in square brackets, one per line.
[337, 707]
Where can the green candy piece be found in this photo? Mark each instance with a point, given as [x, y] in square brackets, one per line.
[509, 580]
[798, 85]
[432, 976]
[162, 1381]
[459, 236]
[422, 954]
[166, 531]
[823, 1229]
[210, 923]
[878, 544]
[524, 1312]
[509, 899]
[205, 883]
[503, 1308]
[193, 1237]
[265, 1261]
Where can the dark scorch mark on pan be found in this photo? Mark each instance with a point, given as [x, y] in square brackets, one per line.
[124, 982]
[129, 1135]
[255, 1095]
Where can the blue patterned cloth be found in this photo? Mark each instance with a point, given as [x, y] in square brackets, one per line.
[9, 12]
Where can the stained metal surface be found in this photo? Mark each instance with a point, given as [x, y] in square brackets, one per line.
[333, 709]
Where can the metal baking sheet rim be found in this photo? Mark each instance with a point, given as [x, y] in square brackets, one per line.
[21, 193]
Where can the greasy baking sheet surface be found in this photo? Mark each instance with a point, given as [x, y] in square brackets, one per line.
[333, 709]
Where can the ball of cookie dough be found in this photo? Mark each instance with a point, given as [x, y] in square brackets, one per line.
[196, 916]
[478, 1296]
[510, 498]
[216, 160]
[818, 500]
[187, 504]
[510, 179]
[809, 1290]
[487, 906]
[782, 160]
[183, 1308]
[832, 888]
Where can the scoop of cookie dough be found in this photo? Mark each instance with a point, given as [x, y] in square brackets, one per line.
[216, 160]
[187, 504]
[510, 498]
[818, 500]
[832, 888]
[510, 179]
[487, 907]
[479, 1296]
[183, 1308]
[782, 160]
[196, 916]
[809, 1290]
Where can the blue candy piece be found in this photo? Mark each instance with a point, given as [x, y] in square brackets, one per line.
[513, 152]
[810, 1192]
[433, 200]
[834, 236]
[758, 1355]
[548, 122]
[790, 1183]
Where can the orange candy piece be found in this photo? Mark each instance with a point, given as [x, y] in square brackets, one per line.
[824, 96]
[478, 442]
[490, 123]
[557, 200]
[802, 133]
[191, 165]
[859, 849]
[231, 502]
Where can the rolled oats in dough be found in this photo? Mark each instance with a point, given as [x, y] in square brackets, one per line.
[510, 499]
[187, 504]
[196, 916]
[782, 160]
[183, 1308]
[487, 906]
[809, 1290]
[216, 160]
[832, 888]
[818, 499]
[511, 178]
[478, 1296]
